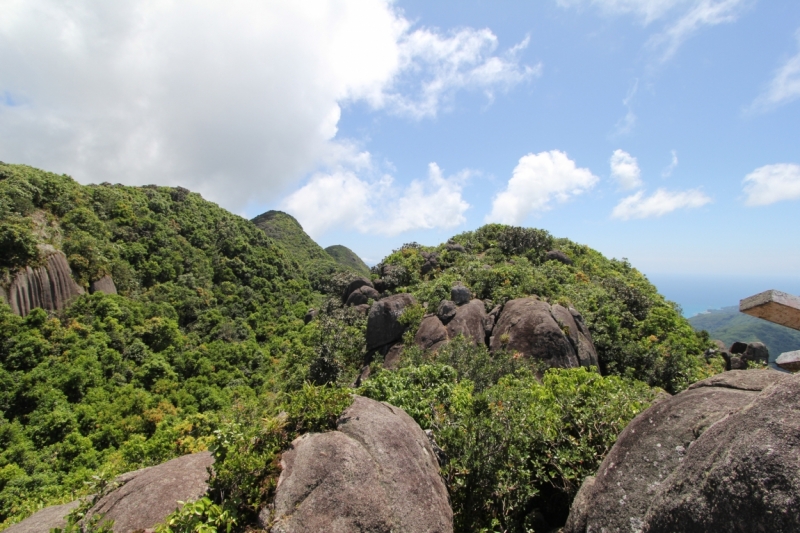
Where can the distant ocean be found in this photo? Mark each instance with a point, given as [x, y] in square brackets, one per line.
[697, 294]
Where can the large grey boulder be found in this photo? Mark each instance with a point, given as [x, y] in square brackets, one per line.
[149, 495]
[383, 324]
[49, 286]
[659, 442]
[376, 473]
[468, 320]
[528, 326]
[431, 333]
[144, 499]
[362, 295]
[44, 520]
[355, 285]
[742, 475]
[460, 294]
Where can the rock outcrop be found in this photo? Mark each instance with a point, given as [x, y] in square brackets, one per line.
[105, 284]
[49, 286]
[362, 296]
[144, 499]
[468, 320]
[703, 460]
[557, 255]
[149, 495]
[538, 330]
[376, 473]
[354, 286]
[383, 324]
[45, 520]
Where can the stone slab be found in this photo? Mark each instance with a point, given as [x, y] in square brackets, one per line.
[774, 306]
[789, 361]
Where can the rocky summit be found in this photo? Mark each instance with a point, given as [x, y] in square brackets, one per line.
[166, 365]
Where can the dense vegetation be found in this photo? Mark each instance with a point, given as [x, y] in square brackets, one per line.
[206, 347]
[729, 325]
[346, 257]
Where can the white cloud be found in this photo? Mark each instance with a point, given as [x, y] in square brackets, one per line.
[538, 181]
[658, 204]
[647, 10]
[703, 13]
[238, 100]
[625, 170]
[784, 87]
[667, 172]
[683, 17]
[342, 200]
[772, 183]
[462, 60]
[625, 124]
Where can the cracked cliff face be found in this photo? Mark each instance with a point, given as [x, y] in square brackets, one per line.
[49, 286]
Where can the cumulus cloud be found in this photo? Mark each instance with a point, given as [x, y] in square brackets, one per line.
[785, 85]
[342, 200]
[772, 183]
[539, 181]
[658, 204]
[238, 100]
[682, 17]
[625, 170]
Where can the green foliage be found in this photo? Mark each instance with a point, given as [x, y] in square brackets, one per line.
[520, 448]
[248, 444]
[347, 258]
[200, 516]
[636, 332]
[206, 347]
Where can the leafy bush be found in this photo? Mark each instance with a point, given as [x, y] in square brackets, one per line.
[516, 453]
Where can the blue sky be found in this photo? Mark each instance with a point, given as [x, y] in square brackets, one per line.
[664, 131]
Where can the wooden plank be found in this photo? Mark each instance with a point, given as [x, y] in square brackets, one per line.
[775, 306]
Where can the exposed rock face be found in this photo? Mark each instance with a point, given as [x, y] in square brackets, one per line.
[376, 473]
[460, 294]
[468, 321]
[145, 499]
[383, 326]
[151, 494]
[738, 347]
[104, 284]
[355, 285]
[431, 333]
[431, 262]
[557, 255]
[789, 361]
[653, 478]
[756, 352]
[310, 315]
[45, 520]
[528, 326]
[50, 286]
[741, 475]
[362, 295]
[446, 311]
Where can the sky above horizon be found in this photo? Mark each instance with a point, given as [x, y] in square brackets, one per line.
[663, 131]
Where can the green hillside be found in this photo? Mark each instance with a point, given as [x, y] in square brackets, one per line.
[318, 264]
[347, 257]
[729, 325]
[205, 347]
